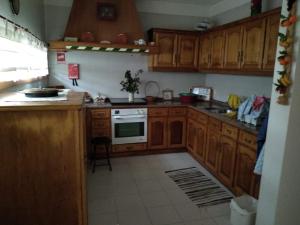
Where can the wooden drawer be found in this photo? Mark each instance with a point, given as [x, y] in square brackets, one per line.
[192, 114]
[101, 132]
[214, 124]
[248, 139]
[158, 111]
[129, 147]
[230, 131]
[100, 113]
[101, 124]
[202, 118]
[177, 111]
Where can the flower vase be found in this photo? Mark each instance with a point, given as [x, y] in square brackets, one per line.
[130, 97]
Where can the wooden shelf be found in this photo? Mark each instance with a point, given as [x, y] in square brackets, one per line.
[87, 46]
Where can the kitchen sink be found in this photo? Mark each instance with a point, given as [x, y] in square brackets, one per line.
[216, 110]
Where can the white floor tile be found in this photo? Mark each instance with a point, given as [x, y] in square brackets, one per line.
[190, 212]
[219, 210]
[223, 220]
[155, 199]
[164, 215]
[129, 202]
[102, 205]
[133, 217]
[201, 222]
[178, 197]
[102, 219]
[148, 186]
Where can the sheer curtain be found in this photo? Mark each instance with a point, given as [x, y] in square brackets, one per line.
[22, 56]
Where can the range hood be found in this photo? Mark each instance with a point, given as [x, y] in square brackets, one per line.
[89, 16]
[84, 17]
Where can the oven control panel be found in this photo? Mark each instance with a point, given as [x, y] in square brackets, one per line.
[131, 111]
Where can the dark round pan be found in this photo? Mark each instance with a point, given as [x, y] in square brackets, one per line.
[41, 92]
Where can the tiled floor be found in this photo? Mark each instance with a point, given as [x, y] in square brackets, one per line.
[138, 192]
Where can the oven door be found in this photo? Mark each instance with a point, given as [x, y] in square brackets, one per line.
[129, 129]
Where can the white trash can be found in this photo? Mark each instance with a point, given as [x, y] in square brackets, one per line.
[243, 210]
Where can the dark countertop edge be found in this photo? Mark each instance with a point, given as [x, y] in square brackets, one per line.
[196, 106]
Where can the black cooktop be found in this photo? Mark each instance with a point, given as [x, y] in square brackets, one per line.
[124, 101]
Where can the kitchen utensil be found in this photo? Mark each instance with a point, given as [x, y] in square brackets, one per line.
[152, 89]
[187, 98]
[41, 92]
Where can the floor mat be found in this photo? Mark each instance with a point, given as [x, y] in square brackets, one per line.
[198, 187]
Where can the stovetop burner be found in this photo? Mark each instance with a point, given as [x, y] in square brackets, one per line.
[124, 101]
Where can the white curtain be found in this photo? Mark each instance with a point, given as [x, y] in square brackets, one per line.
[22, 56]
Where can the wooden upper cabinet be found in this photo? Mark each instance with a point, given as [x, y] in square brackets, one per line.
[176, 132]
[167, 43]
[272, 28]
[157, 132]
[253, 44]
[227, 160]
[187, 54]
[204, 52]
[217, 49]
[233, 47]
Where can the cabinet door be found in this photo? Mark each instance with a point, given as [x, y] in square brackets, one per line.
[187, 55]
[233, 45]
[176, 132]
[227, 160]
[191, 135]
[200, 141]
[272, 28]
[253, 44]
[167, 43]
[157, 133]
[217, 50]
[244, 177]
[204, 52]
[212, 150]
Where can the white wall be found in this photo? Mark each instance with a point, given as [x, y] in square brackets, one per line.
[241, 85]
[279, 195]
[102, 72]
[31, 15]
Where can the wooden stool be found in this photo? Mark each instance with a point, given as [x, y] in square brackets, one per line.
[106, 141]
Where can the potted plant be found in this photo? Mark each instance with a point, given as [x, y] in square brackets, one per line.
[131, 84]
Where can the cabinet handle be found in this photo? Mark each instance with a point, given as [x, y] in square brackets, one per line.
[239, 56]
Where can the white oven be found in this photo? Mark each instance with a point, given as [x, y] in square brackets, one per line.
[129, 125]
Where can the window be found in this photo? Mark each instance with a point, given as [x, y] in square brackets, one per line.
[22, 56]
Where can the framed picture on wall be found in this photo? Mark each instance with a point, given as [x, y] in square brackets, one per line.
[106, 11]
[167, 94]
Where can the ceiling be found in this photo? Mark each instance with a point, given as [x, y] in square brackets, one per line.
[193, 2]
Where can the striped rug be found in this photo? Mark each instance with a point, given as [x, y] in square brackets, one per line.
[198, 187]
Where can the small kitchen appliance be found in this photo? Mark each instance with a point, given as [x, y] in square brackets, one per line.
[129, 125]
[202, 93]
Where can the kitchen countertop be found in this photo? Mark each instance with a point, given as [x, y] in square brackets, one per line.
[199, 106]
[75, 100]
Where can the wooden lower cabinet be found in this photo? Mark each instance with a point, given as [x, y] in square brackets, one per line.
[244, 178]
[212, 150]
[200, 141]
[191, 135]
[226, 167]
[157, 132]
[176, 132]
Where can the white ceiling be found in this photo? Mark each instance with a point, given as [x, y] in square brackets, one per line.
[193, 2]
[197, 8]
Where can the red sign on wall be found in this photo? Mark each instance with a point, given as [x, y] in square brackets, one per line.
[61, 57]
[73, 71]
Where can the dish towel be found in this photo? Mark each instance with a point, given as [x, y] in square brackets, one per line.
[260, 162]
